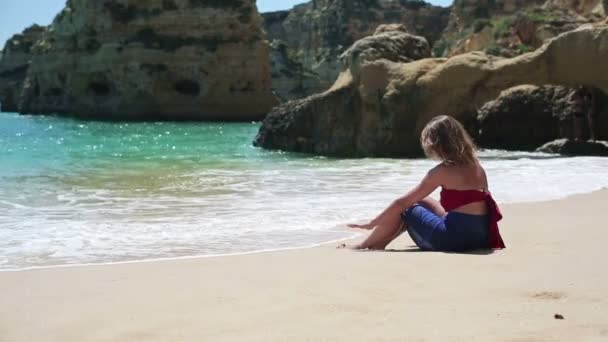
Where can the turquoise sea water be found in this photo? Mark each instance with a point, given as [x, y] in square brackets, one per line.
[76, 192]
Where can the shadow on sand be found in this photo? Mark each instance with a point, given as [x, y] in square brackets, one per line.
[414, 249]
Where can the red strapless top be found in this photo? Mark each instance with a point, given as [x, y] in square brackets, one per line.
[453, 199]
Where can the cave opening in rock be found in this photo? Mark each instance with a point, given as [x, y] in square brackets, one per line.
[54, 92]
[99, 88]
[169, 5]
[187, 87]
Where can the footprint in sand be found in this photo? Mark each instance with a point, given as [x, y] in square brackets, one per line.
[548, 295]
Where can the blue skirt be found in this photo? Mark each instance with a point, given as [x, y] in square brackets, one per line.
[456, 232]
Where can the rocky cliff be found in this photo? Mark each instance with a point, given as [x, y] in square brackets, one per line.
[378, 108]
[586, 8]
[153, 59]
[309, 39]
[466, 12]
[512, 27]
[208, 59]
[14, 62]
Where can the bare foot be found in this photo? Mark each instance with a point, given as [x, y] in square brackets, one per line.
[379, 247]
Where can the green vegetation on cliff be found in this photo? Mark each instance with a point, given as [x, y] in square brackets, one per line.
[504, 33]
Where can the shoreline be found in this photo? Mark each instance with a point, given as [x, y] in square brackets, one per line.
[168, 259]
[262, 251]
[554, 264]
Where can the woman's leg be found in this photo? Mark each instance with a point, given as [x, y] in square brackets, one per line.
[426, 223]
[385, 232]
[434, 206]
[392, 227]
[380, 246]
[428, 203]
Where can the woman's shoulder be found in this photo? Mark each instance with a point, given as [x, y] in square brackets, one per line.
[439, 168]
[447, 168]
[458, 171]
[441, 173]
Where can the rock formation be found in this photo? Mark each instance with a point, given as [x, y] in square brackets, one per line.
[576, 148]
[587, 8]
[309, 39]
[466, 12]
[508, 28]
[379, 108]
[477, 24]
[390, 42]
[14, 62]
[154, 59]
[524, 117]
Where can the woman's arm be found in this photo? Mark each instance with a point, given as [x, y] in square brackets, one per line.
[429, 183]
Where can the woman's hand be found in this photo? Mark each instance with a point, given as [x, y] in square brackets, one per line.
[367, 226]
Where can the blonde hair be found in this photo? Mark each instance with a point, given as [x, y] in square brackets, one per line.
[445, 138]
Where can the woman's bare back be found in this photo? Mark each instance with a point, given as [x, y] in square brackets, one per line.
[468, 177]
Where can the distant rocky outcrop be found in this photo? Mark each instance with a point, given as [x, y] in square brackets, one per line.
[14, 62]
[378, 108]
[576, 148]
[390, 42]
[309, 39]
[154, 59]
[330, 123]
[586, 8]
[466, 12]
[509, 28]
[289, 78]
[476, 25]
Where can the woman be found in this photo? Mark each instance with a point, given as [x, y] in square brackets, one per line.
[466, 219]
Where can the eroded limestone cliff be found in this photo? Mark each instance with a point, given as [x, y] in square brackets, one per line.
[379, 107]
[14, 62]
[512, 27]
[152, 59]
[309, 39]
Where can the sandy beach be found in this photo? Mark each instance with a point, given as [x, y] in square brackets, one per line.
[555, 264]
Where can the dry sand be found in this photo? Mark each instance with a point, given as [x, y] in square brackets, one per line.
[555, 263]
